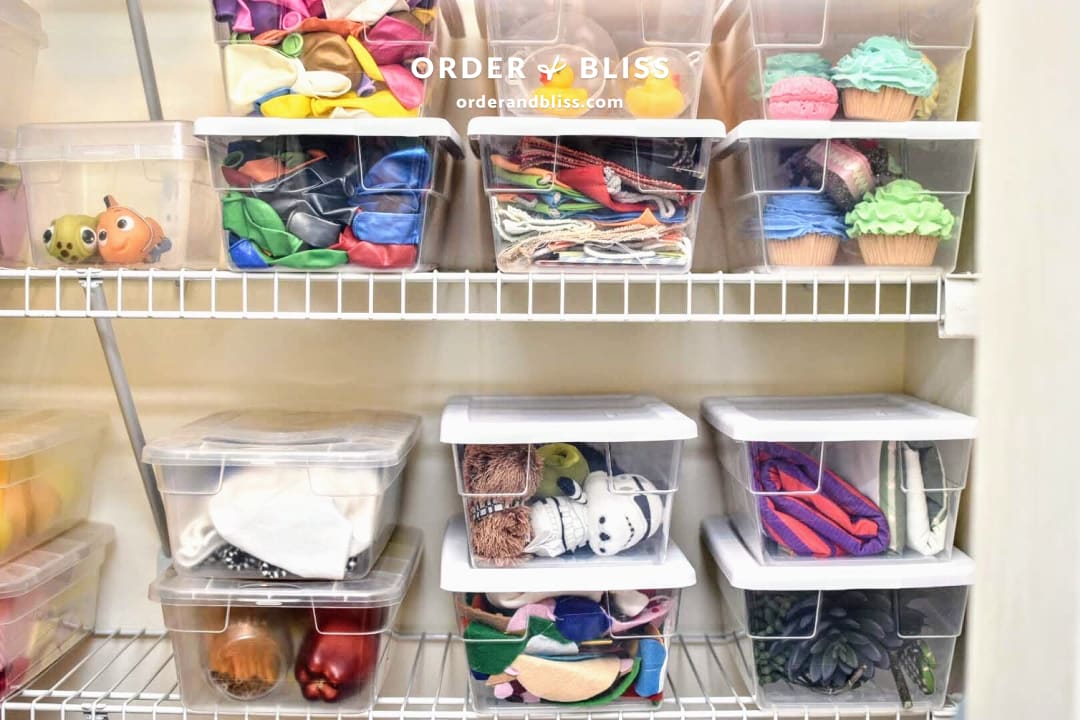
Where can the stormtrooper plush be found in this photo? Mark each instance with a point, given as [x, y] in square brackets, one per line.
[609, 514]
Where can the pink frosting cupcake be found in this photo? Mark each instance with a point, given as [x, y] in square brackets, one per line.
[803, 98]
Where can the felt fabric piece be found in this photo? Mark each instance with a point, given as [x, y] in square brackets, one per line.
[245, 254]
[251, 218]
[393, 41]
[927, 508]
[569, 681]
[365, 11]
[381, 103]
[491, 652]
[580, 619]
[628, 603]
[544, 609]
[322, 84]
[252, 71]
[653, 613]
[831, 521]
[329, 51]
[545, 179]
[272, 514]
[364, 58]
[406, 87]
[652, 656]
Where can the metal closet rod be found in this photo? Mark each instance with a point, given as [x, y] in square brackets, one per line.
[106, 333]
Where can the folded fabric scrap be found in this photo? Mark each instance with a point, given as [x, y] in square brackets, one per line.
[809, 510]
[272, 514]
[311, 209]
[914, 496]
[566, 648]
[288, 61]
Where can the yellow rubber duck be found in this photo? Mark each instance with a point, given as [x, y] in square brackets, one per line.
[563, 99]
[656, 98]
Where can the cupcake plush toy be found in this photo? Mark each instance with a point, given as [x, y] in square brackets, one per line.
[883, 79]
[798, 87]
[802, 229]
[900, 224]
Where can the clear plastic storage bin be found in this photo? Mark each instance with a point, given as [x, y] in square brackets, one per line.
[13, 237]
[819, 59]
[560, 639]
[330, 58]
[567, 58]
[21, 38]
[847, 195]
[310, 648]
[854, 477]
[48, 600]
[47, 461]
[859, 637]
[568, 480]
[270, 494]
[118, 194]
[594, 195]
[331, 194]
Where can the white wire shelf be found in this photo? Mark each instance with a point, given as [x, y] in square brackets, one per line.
[121, 674]
[797, 297]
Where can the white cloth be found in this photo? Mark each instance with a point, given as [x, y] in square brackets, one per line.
[252, 71]
[322, 84]
[298, 519]
[363, 11]
[925, 534]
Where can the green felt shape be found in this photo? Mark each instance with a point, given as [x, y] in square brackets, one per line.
[617, 690]
[316, 259]
[490, 652]
[562, 210]
[251, 218]
[529, 180]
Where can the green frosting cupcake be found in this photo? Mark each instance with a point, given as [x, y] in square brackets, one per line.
[797, 64]
[902, 207]
[884, 61]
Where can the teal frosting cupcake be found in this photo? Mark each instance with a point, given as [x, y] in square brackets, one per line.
[885, 61]
[797, 64]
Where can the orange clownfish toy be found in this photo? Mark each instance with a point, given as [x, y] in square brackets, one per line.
[126, 237]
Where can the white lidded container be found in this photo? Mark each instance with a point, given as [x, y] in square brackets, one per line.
[47, 460]
[849, 478]
[318, 648]
[360, 63]
[858, 636]
[21, 39]
[846, 196]
[118, 194]
[594, 195]
[347, 195]
[920, 48]
[48, 601]
[568, 58]
[566, 480]
[275, 494]
[13, 221]
[555, 639]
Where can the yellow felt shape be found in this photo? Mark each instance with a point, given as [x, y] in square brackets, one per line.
[567, 682]
[287, 106]
[367, 62]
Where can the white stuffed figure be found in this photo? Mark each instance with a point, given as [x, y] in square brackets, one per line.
[609, 514]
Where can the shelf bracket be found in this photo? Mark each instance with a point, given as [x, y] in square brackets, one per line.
[960, 307]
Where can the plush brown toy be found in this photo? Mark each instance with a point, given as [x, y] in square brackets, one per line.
[499, 524]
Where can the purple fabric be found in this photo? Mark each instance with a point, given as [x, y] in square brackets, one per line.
[835, 519]
[264, 16]
[366, 86]
[225, 10]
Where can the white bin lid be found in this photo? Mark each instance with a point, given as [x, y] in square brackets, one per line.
[523, 126]
[356, 438]
[384, 586]
[458, 575]
[744, 572]
[425, 127]
[848, 130]
[24, 19]
[835, 418]
[25, 432]
[31, 569]
[504, 419]
[108, 142]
